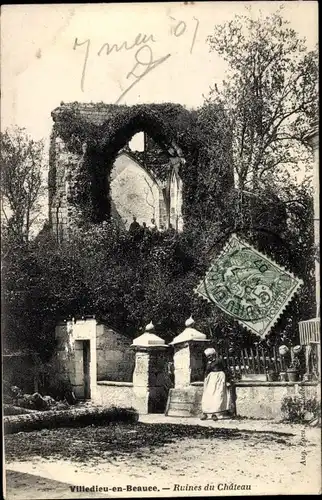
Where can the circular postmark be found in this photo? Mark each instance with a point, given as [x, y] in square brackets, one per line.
[247, 284]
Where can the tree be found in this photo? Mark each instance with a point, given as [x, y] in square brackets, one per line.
[271, 96]
[21, 182]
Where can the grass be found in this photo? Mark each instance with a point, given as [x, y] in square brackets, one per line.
[117, 440]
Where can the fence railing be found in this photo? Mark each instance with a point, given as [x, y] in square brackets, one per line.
[253, 360]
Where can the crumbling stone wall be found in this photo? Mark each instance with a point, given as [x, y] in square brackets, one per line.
[62, 214]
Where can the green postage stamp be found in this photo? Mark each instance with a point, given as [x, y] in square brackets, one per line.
[248, 286]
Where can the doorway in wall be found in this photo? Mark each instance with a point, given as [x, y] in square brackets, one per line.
[82, 386]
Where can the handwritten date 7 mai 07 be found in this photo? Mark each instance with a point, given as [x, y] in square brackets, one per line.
[144, 57]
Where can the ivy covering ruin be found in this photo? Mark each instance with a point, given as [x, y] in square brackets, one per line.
[172, 130]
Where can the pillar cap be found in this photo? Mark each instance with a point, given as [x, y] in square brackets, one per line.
[190, 321]
[149, 339]
[189, 334]
[149, 327]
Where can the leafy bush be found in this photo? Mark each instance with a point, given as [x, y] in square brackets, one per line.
[314, 407]
[296, 409]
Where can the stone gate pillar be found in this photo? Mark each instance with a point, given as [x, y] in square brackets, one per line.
[188, 355]
[150, 376]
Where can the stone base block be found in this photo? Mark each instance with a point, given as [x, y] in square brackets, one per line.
[110, 393]
[185, 402]
[141, 399]
[150, 400]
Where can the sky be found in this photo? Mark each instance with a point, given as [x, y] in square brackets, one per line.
[44, 49]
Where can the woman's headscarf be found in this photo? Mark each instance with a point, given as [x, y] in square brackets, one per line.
[210, 352]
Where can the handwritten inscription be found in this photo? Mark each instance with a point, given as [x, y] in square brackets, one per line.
[107, 49]
[180, 28]
[146, 65]
[139, 39]
[144, 58]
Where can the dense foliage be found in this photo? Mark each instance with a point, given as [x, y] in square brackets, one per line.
[127, 280]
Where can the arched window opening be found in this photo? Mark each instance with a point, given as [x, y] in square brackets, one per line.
[137, 143]
[134, 193]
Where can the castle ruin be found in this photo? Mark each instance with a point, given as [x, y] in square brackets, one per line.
[131, 186]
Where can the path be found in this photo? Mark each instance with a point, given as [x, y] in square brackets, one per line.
[268, 466]
[242, 425]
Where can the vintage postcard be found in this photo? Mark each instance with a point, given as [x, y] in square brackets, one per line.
[160, 252]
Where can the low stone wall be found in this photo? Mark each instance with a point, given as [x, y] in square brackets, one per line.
[109, 393]
[254, 399]
[264, 399]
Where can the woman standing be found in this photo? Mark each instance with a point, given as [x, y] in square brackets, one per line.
[217, 398]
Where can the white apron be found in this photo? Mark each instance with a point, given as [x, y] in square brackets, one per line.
[216, 396]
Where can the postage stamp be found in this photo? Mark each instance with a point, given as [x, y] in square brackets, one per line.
[248, 286]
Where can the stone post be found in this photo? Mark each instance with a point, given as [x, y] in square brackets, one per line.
[150, 376]
[188, 355]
